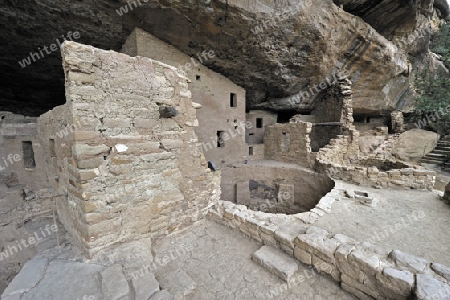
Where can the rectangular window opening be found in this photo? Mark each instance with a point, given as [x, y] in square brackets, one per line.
[286, 142]
[220, 141]
[250, 151]
[259, 122]
[52, 148]
[233, 100]
[28, 155]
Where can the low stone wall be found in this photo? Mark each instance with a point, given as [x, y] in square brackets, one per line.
[342, 159]
[415, 178]
[362, 269]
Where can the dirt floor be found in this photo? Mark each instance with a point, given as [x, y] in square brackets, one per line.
[219, 261]
[442, 178]
[417, 222]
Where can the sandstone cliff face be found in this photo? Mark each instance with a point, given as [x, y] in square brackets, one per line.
[274, 49]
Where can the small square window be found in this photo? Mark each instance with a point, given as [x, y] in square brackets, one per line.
[259, 122]
[286, 142]
[197, 77]
[52, 148]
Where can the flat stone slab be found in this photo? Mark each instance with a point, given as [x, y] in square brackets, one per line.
[178, 283]
[431, 288]
[441, 270]
[276, 262]
[114, 283]
[409, 261]
[145, 286]
[67, 280]
[32, 272]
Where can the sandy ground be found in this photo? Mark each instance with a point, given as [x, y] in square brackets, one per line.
[417, 222]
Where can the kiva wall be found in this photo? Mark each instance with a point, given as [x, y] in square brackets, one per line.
[133, 171]
[309, 186]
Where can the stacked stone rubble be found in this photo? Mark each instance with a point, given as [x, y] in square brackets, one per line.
[398, 122]
[342, 158]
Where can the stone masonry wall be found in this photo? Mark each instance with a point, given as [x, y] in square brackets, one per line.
[255, 134]
[209, 89]
[321, 135]
[288, 143]
[133, 171]
[342, 159]
[15, 129]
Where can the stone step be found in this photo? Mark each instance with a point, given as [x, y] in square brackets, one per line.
[436, 155]
[440, 151]
[433, 156]
[443, 147]
[276, 262]
[178, 283]
[431, 161]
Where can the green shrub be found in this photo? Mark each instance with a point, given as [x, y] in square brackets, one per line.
[433, 90]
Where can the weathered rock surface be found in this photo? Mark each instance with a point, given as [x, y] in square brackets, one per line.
[415, 143]
[431, 288]
[273, 49]
[447, 192]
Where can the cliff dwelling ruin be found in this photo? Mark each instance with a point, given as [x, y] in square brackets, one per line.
[205, 151]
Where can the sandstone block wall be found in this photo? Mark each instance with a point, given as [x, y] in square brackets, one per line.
[321, 135]
[14, 131]
[256, 152]
[255, 134]
[210, 89]
[288, 143]
[134, 171]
